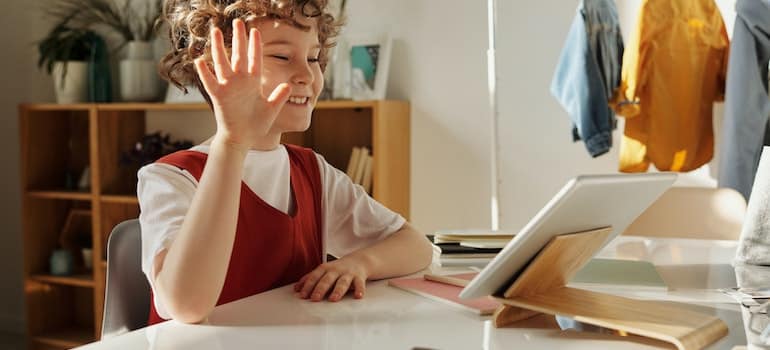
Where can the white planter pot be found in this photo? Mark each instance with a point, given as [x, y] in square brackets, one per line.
[139, 80]
[139, 50]
[74, 87]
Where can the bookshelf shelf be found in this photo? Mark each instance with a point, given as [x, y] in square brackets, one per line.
[67, 195]
[66, 338]
[120, 199]
[83, 280]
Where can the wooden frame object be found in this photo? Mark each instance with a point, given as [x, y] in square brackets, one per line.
[59, 140]
[541, 288]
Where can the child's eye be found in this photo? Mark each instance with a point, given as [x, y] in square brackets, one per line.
[284, 58]
[314, 60]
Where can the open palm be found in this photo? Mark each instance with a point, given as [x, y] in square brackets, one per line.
[241, 109]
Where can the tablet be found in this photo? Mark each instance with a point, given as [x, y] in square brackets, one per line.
[585, 203]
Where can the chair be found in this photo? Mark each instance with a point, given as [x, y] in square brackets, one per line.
[127, 293]
[693, 212]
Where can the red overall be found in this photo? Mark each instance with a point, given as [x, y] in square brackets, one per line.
[271, 248]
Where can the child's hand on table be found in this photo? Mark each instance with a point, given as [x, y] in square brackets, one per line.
[334, 278]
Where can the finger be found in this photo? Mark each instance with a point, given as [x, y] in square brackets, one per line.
[219, 54]
[239, 56]
[279, 96]
[255, 53]
[342, 286]
[359, 287]
[276, 101]
[207, 77]
[310, 282]
[323, 286]
[298, 285]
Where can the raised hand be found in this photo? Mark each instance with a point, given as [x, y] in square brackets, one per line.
[242, 111]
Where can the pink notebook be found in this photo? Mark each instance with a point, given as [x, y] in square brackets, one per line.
[445, 293]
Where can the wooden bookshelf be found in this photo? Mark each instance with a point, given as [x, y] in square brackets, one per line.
[78, 280]
[59, 141]
[71, 195]
[64, 339]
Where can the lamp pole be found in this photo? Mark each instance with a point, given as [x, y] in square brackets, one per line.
[495, 145]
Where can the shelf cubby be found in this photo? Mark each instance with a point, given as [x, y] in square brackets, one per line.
[55, 148]
[59, 316]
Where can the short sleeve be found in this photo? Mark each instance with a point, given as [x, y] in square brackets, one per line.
[352, 219]
[165, 193]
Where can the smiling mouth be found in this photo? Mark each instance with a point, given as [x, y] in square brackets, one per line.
[299, 100]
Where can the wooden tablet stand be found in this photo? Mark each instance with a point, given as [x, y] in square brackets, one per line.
[541, 288]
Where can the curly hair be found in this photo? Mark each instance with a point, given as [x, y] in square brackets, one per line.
[190, 22]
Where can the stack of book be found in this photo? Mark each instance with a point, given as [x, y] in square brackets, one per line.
[470, 247]
[360, 168]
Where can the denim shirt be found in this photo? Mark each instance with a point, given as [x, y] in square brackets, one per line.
[747, 106]
[588, 73]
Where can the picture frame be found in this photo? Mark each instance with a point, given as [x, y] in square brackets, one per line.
[362, 73]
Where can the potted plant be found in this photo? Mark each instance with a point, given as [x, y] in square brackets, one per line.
[136, 22]
[64, 53]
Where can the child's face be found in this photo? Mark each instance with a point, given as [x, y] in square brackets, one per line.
[290, 55]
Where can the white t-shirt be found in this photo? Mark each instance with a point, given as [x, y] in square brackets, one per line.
[351, 218]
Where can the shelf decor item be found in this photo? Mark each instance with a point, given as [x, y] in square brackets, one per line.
[139, 80]
[88, 255]
[65, 53]
[153, 146]
[136, 23]
[61, 262]
[362, 66]
[75, 238]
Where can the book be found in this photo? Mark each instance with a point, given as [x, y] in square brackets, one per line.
[366, 182]
[465, 262]
[358, 175]
[491, 244]
[472, 233]
[353, 162]
[479, 236]
[457, 248]
[458, 279]
[468, 255]
[445, 293]
[450, 239]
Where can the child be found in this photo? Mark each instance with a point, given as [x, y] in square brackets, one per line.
[241, 213]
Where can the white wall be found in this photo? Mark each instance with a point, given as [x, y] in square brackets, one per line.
[439, 64]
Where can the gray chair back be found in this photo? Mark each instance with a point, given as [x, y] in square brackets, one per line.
[127, 293]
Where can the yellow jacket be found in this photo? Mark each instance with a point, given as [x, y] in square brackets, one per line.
[673, 70]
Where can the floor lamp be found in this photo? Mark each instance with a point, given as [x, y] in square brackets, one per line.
[495, 144]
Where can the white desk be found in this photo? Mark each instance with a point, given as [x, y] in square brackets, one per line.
[388, 318]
